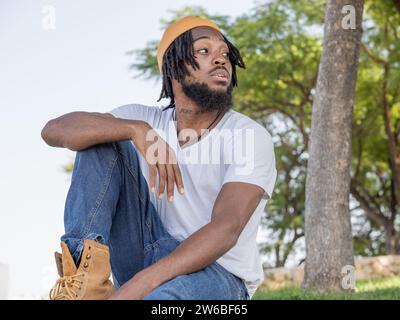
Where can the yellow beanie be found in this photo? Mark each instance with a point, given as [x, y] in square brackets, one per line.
[176, 29]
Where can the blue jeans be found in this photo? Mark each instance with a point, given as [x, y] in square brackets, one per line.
[109, 202]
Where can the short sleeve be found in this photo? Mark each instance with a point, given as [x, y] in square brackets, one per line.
[149, 114]
[252, 159]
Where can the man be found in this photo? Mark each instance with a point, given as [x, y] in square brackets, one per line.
[170, 225]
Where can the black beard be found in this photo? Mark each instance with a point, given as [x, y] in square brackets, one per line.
[207, 99]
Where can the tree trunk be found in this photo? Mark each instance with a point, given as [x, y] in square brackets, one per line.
[327, 218]
[392, 239]
[397, 5]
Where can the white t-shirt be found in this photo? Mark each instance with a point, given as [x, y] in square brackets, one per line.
[237, 149]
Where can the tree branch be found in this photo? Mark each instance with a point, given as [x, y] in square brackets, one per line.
[372, 55]
[397, 5]
[298, 125]
[393, 152]
[289, 247]
[365, 205]
[359, 157]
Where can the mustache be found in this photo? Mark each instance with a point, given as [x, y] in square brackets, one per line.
[218, 68]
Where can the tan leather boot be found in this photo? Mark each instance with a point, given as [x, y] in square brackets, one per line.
[90, 281]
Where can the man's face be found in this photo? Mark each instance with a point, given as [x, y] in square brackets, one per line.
[212, 55]
[209, 86]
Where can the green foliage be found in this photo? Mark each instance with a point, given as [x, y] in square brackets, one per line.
[69, 167]
[146, 63]
[371, 170]
[377, 289]
[285, 214]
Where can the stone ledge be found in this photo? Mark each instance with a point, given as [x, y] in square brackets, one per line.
[366, 268]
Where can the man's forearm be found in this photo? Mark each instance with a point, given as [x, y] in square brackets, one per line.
[195, 253]
[80, 130]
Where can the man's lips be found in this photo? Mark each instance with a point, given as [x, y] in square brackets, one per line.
[220, 74]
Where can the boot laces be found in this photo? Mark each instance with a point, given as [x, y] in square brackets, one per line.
[65, 287]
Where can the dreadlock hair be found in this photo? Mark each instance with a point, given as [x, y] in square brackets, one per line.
[180, 53]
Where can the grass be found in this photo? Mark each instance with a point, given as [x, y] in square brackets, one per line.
[377, 289]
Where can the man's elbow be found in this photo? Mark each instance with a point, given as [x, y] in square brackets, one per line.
[51, 134]
[48, 131]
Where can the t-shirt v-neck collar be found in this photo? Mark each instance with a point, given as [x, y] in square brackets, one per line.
[203, 138]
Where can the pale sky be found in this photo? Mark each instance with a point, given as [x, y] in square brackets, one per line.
[80, 65]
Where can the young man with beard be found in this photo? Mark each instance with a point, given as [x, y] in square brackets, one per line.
[164, 198]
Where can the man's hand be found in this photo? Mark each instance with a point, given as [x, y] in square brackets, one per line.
[160, 158]
[135, 289]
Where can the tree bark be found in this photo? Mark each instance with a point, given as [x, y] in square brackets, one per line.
[327, 218]
[397, 5]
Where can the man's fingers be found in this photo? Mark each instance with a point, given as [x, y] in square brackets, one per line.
[162, 176]
[177, 172]
[153, 174]
[178, 178]
[170, 182]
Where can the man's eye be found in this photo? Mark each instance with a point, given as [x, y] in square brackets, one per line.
[226, 54]
[203, 50]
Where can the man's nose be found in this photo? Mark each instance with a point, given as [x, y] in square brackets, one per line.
[219, 60]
